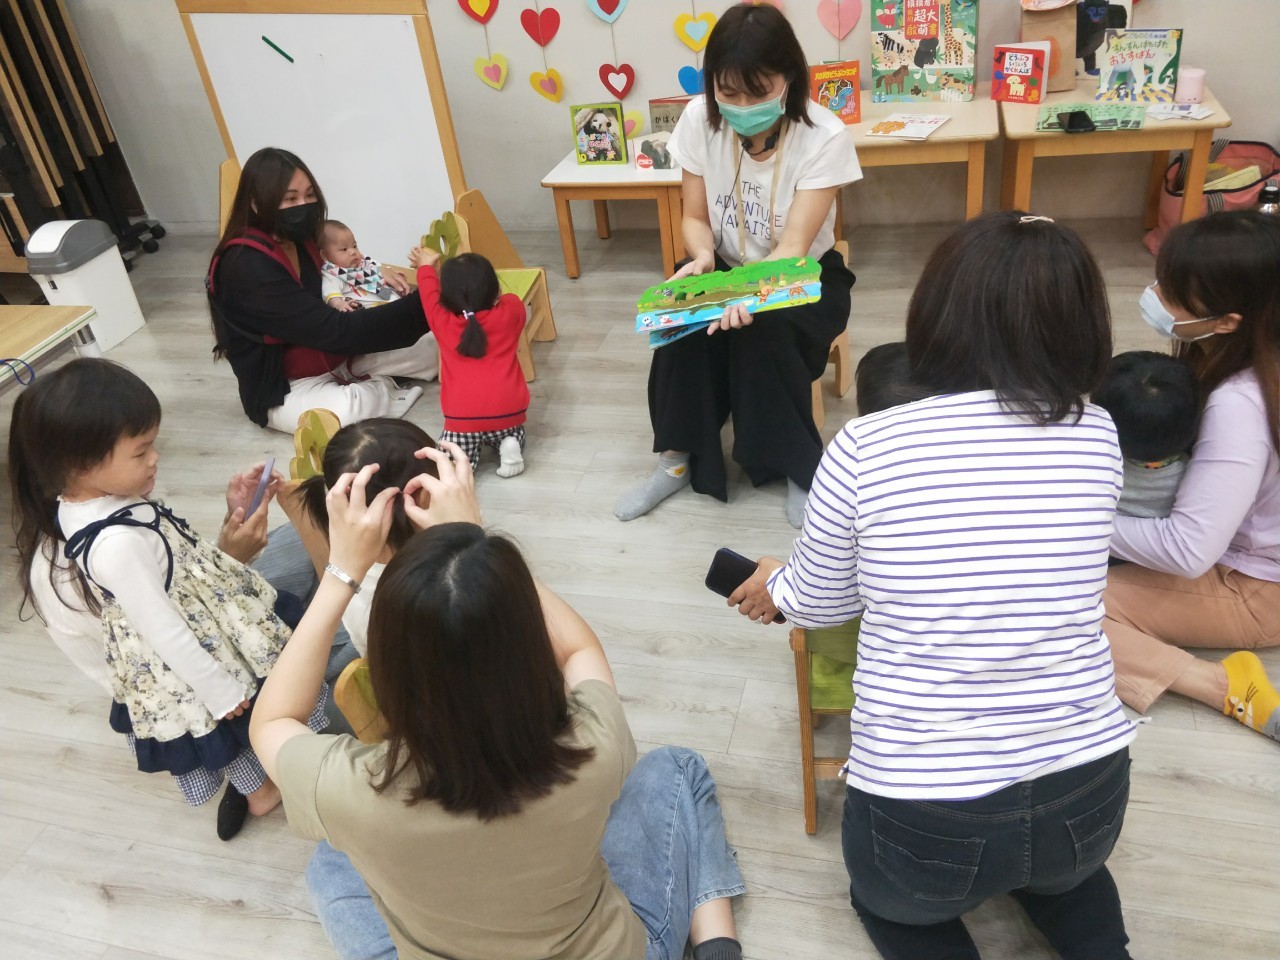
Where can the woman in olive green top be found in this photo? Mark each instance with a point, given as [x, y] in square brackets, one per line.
[483, 825]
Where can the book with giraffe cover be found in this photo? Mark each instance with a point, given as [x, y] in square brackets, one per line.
[923, 50]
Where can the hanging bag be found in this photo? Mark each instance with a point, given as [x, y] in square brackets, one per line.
[1235, 154]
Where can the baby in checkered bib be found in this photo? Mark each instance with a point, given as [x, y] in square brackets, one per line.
[482, 389]
[348, 279]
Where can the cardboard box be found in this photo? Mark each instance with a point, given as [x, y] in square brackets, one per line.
[1058, 27]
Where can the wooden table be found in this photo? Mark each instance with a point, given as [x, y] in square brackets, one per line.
[962, 139]
[1158, 137]
[573, 181]
[35, 332]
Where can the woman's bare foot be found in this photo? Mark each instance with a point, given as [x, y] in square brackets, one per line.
[265, 799]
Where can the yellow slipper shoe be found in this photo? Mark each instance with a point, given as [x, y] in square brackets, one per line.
[1251, 698]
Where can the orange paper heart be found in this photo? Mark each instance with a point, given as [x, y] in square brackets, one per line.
[547, 85]
[493, 72]
[694, 32]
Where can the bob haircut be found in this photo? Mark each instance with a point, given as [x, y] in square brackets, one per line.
[750, 43]
[1228, 263]
[1015, 305]
[386, 441]
[466, 677]
[66, 422]
[263, 183]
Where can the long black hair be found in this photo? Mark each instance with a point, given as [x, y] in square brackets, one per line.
[465, 675]
[469, 285]
[67, 422]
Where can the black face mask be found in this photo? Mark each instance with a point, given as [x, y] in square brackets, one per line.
[299, 222]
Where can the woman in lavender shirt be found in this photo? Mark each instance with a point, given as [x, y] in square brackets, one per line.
[989, 753]
[1209, 574]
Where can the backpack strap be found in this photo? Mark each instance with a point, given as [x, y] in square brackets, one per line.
[255, 239]
[81, 542]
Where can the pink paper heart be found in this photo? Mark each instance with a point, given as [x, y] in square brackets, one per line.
[839, 16]
[493, 72]
[547, 84]
[629, 125]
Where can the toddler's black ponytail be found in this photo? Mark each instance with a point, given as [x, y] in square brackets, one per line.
[468, 285]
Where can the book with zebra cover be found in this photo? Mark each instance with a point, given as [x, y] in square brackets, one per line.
[923, 50]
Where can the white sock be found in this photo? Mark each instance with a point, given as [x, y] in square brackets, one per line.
[511, 458]
[637, 500]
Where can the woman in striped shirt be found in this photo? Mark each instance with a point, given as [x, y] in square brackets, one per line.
[969, 530]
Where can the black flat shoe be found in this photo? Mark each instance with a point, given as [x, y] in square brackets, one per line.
[233, 809]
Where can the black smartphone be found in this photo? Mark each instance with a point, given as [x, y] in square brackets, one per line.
[729, 571]
[1076, 121]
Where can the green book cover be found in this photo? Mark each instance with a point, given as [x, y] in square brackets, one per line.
[1139, 66]
[923, 50]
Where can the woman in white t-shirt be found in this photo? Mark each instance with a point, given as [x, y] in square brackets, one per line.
[762, 166]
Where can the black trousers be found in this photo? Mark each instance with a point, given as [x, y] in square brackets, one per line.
[916, 866]
[761, 375]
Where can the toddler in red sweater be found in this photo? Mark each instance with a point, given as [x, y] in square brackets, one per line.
[482, 390]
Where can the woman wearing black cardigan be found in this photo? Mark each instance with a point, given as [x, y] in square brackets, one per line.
[289, 350]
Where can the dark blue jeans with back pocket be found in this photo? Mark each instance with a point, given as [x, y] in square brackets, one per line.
[915, 867]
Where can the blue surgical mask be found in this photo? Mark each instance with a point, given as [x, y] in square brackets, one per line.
[1160, 320]
[757, 118]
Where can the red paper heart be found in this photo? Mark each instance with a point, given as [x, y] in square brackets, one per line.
[608, 6]
[541, 27]
[481, 11]
[609, 77]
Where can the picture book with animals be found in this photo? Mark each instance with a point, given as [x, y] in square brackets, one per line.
[908, 126]
[651, 152]
[834, 85]
[677, 308]
[1139, 66]
[665, 111]
[597, 133]
[923, 49]
[1019, 72]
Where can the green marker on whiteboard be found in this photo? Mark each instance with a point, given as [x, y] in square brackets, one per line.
[277, 49]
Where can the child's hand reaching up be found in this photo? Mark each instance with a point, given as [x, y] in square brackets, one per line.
[423, 257]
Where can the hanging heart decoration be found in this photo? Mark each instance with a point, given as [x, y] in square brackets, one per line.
[493, 71]
[839, 16]
[694, 32]
[481, 11]
[541, 27]
[632, 123]
[607, 10]
[617, 79]
[691, 80]
[547, 85]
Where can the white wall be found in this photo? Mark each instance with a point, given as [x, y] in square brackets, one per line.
[510, 138]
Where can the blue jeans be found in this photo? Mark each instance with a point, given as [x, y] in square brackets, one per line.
[285, 564]
[916, 866]
[664, 844]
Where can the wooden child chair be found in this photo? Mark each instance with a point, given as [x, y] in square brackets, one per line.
[353, 693]
[839, 356]
[824, 661]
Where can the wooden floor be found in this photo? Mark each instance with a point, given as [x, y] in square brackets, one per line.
[100, 861]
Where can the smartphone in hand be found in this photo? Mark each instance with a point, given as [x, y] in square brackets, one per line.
[729, 571]
[263, 482]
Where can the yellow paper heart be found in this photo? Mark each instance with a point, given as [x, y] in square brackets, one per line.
[694, 32]
[547, 85]
[492, 72]
[633, 123]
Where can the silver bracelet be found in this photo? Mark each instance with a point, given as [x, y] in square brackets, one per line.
[342, 575]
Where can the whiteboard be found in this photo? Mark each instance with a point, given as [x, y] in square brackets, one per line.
[353, 105]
